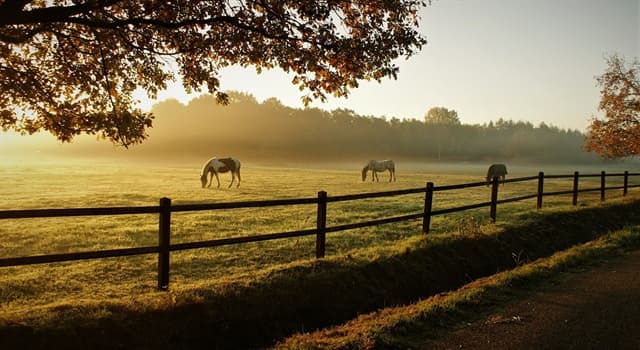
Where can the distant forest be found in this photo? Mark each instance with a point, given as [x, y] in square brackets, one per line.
[269, 130]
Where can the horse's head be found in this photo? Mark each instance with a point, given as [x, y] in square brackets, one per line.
[364, 172]
[203, 179]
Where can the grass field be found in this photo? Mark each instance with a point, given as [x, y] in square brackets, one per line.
[25, 185]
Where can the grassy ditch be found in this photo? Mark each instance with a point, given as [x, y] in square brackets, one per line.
[268, 305]
[396, 327]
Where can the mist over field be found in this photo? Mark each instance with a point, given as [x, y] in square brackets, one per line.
[271, 133]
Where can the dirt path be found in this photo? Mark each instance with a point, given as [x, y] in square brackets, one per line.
[595, 309]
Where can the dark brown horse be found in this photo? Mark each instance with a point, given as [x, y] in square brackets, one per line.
[496, 170]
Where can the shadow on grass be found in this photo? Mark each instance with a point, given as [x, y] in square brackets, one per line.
[325, 292]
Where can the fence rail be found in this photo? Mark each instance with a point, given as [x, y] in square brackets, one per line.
[165, 208]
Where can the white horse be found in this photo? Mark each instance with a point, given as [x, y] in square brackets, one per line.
[496, 170]
[220, 165]
[379, 165]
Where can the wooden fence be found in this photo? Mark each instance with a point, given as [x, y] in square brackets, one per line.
[165, 208]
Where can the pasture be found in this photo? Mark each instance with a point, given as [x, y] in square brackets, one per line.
[60, 286]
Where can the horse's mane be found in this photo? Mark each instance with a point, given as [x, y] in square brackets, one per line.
[206, 164]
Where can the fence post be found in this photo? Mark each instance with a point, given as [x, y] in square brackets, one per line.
[540, 189]
[321, 224]
[164, 236]
[494, 199]
[428, 204]
[576, 176]
[602, 183]
[626, 183]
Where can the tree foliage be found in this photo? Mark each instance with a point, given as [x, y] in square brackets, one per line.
[71, 66]
[441, 120]
[442, 116]
[618, 134]
[269, 131]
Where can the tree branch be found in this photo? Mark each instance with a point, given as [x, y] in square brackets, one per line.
[15, 15]
[67, 14]
[13, 6]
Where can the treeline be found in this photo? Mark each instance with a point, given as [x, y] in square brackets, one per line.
[270, 130]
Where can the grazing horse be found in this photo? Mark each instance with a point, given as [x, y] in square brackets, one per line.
[220, 165]
[379, 165]
[496, 170]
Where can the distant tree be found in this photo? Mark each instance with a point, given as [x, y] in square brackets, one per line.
[273, 104]
[503, 124]
[441, 115]
[235, 97]
[618, 134]
[440, 120]
[71, 66]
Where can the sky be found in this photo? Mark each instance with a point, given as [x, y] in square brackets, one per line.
[523, 60]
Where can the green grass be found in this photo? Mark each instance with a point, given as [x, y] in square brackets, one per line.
[39, 294]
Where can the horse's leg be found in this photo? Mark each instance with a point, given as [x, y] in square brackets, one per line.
[217, 178]
[233, 178]
[238, 185]
[210, 175]
[390, 175]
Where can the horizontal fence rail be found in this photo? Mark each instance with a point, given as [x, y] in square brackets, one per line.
[374, 222]
[239, 205]
[238, 240]
[51, 213]
[165, 208]
[351, 197]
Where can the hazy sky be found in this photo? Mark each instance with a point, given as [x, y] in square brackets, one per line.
[489, 59]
